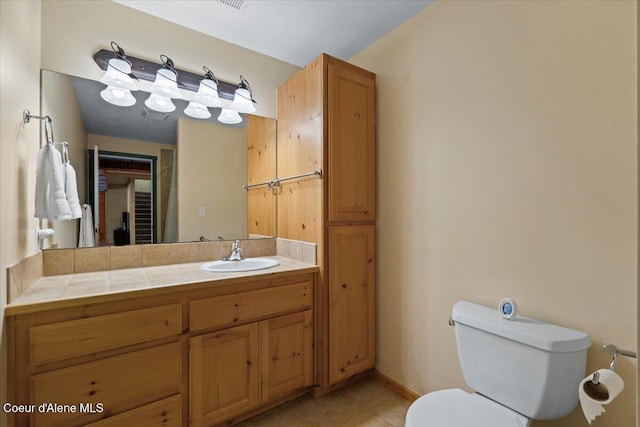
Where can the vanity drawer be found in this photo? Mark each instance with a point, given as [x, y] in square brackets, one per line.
[229, 310]
[118, 383]
[164, 413]
[64, 340]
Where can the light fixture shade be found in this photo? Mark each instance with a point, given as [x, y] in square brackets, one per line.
[229, 117]
[207, 94]
[242, 102]
[117, 96]
[160, 103]
[166, 84]
[117, 75]
[197, 111]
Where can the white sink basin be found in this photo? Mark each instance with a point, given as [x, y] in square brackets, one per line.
[247, 264]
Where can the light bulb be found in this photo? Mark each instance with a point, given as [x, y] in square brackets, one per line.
[197, 111]
[242, 102]
[166, 84]
[118, 96]
[229, 117]
[117, 75]
[160, 103]
[207, 94]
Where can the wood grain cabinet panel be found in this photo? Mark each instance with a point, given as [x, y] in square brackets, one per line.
[352, 296]
[261, 167]
[326, 118]
[351, 145]
[285, 354]
[229, 310]
[223, 374]
[164, 413]
[79, 337]
[118, 383]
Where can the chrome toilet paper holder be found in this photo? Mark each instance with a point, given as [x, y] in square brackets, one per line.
[613, 351]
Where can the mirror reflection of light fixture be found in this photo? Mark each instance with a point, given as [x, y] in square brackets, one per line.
[119, 79]
[243, 99]
[117, 96]
[197, 111]
[229, 117]
[160, 103]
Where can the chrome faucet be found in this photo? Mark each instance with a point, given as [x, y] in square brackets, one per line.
[236, 252]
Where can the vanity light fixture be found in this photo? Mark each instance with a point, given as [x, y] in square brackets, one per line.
[119, 79]
[207, 96]
[209, 91]
[164, 87]
[243, 98]
[166, 83]
[229, 117]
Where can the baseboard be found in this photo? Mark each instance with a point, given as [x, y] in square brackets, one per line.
[393, 385]
[321, 391]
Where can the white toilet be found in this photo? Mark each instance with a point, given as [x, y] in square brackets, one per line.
[521, 369]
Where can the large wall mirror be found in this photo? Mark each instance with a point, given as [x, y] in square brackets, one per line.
[160, 178]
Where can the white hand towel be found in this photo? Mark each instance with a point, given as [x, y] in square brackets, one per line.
[86, 239]
[71, 188]
[51, 199]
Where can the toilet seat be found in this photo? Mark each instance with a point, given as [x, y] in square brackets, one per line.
[457, 408]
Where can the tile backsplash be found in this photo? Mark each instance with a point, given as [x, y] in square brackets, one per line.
[295, 249]
[69, 261]
[23, 274]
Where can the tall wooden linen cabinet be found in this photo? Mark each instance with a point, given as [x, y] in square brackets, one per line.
[326, 120]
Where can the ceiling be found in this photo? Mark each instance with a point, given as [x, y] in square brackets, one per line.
[293, 31]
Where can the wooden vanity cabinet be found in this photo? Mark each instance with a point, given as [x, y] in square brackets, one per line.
[235, 370]
[99, 360]
[203, 356]
[352, 293]
[223, 374]
[326, 119]
[351, 165]
[285, 354]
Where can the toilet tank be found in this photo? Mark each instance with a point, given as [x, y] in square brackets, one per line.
[530, 366]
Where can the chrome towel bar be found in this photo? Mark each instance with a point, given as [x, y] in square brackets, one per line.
[275, 182]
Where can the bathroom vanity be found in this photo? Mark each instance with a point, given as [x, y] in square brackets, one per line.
[174, 346]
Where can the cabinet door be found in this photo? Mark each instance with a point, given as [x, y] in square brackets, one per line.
[223, 374]
[351, 145]
[285, 354]
[352, 293]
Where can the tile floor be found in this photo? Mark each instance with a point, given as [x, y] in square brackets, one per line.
[365, 403]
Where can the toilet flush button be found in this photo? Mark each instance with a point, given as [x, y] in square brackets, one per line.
[508, 309]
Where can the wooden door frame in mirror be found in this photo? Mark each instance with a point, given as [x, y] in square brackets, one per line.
[154, 190]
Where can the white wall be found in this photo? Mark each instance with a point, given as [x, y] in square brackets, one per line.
[507, 147]
[115, 204]
[59, 101]
[212, 168]
[19, 143]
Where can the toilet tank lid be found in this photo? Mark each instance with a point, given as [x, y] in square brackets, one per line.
[524, 330]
